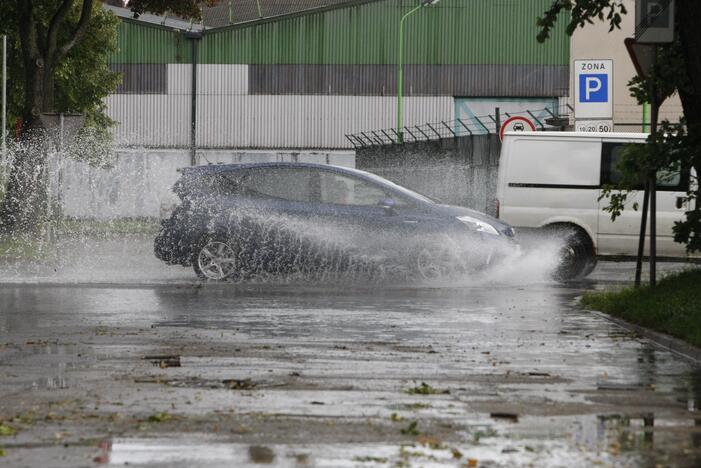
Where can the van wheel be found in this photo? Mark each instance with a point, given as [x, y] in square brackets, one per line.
[576, 255]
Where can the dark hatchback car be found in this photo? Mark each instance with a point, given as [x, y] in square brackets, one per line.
[238, 221]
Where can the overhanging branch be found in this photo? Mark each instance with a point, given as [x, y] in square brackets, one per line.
[85, 14]
[54, 26]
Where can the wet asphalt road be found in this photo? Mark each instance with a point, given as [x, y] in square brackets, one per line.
[104, 371]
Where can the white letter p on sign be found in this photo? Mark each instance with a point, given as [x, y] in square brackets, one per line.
[592, 85]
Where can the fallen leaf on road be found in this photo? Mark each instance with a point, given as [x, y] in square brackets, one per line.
[500, 415]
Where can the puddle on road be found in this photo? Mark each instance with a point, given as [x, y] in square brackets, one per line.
[428, 454]
[610, 440]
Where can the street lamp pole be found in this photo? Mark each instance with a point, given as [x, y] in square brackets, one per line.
[400, 65]
[4, 98]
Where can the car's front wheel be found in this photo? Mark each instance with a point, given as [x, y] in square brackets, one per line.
[215, 260]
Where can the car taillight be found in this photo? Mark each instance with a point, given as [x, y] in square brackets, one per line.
[497, 208]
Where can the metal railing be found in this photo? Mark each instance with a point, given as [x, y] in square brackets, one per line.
[476, 125]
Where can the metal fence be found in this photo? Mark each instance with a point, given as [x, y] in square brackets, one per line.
[477, 125]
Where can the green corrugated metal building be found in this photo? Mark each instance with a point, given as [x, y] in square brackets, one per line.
[305, 79]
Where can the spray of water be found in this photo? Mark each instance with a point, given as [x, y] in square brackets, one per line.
[102, 246]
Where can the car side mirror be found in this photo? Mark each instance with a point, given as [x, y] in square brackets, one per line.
[388, 205]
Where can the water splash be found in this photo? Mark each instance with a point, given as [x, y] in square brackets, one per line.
[102, 246]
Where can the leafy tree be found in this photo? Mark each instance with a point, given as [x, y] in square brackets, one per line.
[678, 70]
[58, 63]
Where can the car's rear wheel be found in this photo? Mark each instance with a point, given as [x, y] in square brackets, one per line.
[576, 255]
[215, 260]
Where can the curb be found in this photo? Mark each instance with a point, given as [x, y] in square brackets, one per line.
[660, 340]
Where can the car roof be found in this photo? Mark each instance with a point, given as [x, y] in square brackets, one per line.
[222, 168]
[219, 168]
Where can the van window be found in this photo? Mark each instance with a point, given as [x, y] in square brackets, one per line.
[554, 162]
[611, 154]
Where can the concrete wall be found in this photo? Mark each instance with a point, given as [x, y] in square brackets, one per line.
[138, 183]
[459, 171]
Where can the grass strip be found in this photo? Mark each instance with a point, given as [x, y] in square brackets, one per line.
[674, 307]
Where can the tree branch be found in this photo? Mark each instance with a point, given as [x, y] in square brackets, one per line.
[54, 26]
[27, 31]
[85, 14]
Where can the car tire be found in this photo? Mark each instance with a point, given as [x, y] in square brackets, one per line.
[576, 255]
[215, 259]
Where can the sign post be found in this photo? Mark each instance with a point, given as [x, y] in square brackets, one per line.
[593, 92]
[654, 25]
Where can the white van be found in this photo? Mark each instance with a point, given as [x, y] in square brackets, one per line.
[553, 180]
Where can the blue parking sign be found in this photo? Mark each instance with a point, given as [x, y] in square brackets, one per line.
[593, 88]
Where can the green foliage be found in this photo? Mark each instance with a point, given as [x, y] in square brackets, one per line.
[82, 78]
[582, 12]
[412, 429]
[159, 417]
[183, 8]
[672, 308]
[672, 150]
[426, 389]
[668, 76]
[7, 430]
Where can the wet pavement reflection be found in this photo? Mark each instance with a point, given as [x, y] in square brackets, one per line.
[192, 374]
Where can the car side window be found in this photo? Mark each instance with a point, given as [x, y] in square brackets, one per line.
[340, 189]
[293, 184]
[611, 154]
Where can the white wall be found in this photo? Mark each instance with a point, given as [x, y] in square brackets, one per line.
[227, 117]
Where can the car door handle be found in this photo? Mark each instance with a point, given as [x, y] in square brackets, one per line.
[680, 202]
[411, 221]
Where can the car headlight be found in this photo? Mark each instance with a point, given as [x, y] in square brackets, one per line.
[478, 225]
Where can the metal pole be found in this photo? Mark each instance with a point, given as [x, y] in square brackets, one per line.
[59, 169]
[497, 121]
[654, 110]
[400, 73]
[653, 231]
[4, 98]
[194, 37]
[641, 240]
[260, 13]
[193, 129]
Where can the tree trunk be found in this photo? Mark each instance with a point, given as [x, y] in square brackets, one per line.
[24, 205]
[688, 21]
[21, 208]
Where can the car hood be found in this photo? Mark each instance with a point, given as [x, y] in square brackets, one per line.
[451, 210]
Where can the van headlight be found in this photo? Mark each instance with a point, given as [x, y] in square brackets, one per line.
[478, 225]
